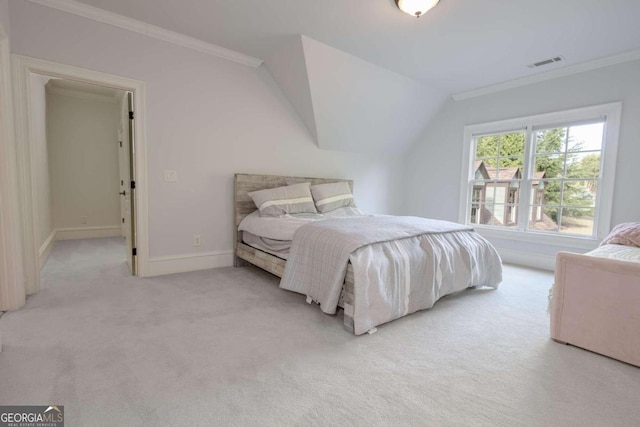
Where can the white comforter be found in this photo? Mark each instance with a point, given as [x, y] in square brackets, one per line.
[424, 269]
[401, 264]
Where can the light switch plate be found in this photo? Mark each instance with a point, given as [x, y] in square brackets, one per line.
[170, 175]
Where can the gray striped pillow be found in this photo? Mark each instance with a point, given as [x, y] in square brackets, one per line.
[332, 196]
[284, 200]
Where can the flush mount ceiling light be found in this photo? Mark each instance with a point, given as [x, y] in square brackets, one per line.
[416, 8]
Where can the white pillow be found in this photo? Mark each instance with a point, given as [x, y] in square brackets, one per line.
[284, 200]
[332, 196]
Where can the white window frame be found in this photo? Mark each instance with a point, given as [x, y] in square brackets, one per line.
[602, 221]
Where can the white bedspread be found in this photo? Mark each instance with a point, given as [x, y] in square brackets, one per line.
[401, 264]
[619, 252]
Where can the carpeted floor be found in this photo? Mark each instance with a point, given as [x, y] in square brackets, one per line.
[228, 347]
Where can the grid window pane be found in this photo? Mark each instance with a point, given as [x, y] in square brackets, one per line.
[551, 141]
[504, 174]
[512, 162]
[577, 221]
[490, 162]
[495, 203]
[512, 144]
[489, 192]
[545, 192]
[487, 146]
[585, 137]
[579, 193]
[550, 166]
[496, 214]
[474, 214]
[583, 165]
[543, 218]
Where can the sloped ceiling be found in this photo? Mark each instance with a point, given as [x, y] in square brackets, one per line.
[345, 78]
[289, 69]
[349, 104]
[459, 45]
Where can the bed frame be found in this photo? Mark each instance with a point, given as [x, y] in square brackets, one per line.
[244, 254]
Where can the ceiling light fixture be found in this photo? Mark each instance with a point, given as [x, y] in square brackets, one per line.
[416, 8]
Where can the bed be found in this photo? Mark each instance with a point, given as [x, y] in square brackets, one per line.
[594, 302]
[473, 261]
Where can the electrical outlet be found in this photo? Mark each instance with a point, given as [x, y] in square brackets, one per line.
[170, 175]
[197, 240]
[83, 220]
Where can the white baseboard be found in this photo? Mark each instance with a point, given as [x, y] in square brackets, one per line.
[179, 264]
[528, 259]
[46, 247]
[88, 232]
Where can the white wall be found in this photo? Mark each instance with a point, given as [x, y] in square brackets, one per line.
[12, 283]
[41, 157]
[83, 160]
[207, 119]
[4, 16]
[434, 164]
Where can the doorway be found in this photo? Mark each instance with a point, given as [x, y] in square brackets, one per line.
[132, 180]
[83, 163]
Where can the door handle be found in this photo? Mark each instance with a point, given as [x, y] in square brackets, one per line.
[123, 193]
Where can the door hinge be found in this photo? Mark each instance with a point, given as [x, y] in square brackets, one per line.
[123, 220]
[130, 115]
[134, 252]
[120, 144]
[133, 185]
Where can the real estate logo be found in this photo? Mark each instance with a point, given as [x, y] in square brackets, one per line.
[32, 416]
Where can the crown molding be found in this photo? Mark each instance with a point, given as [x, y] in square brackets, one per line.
[113, 19]
[620, 58]
[83, 95]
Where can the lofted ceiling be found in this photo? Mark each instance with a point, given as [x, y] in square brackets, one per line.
[364, 76]
[349, 104]
[458, 46]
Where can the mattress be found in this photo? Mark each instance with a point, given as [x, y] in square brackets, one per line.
[282, 228]
[279, 248]
[274, 235]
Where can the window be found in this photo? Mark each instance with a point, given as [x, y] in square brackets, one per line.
[498, 166]
[549, 175]
[566, 171]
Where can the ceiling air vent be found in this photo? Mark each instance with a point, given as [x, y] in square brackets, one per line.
[546, 61]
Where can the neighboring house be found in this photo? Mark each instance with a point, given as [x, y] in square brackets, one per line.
[537, 197]
[496, 192]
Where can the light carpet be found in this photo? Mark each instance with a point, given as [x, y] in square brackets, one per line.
[228, 347]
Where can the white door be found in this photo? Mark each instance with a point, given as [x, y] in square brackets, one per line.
[127, 185]
[122, 165]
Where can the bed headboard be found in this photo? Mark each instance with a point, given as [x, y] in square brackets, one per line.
[245, 183]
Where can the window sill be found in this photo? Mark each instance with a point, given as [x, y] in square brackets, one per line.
[576, 242]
